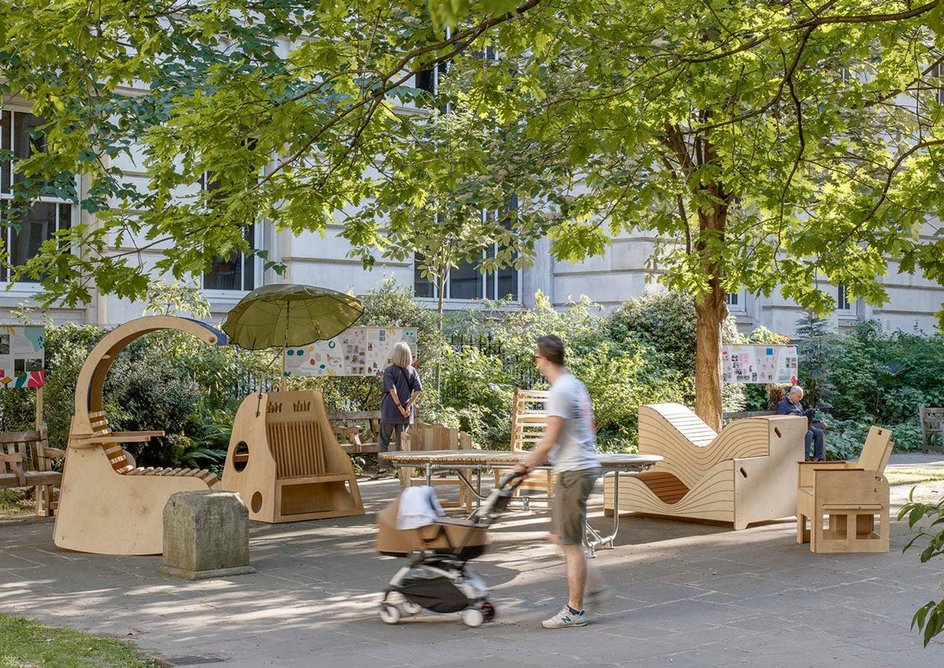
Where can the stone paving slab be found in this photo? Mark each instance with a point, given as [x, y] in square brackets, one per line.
[684, 594]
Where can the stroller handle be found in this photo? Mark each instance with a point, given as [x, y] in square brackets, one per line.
[516, 477]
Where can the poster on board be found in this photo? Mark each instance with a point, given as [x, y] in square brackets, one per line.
[759, 364]
[22, 356]
[358, 351]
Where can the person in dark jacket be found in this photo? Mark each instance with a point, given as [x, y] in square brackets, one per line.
[815, 437]
[401, 386]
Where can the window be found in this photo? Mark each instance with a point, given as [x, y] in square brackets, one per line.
[842, 299]
[46, 216]
[732, 299]
[467, 282]
[237, 271]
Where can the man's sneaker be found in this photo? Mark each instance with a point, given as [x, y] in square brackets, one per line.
[565, 618]
[594, 600]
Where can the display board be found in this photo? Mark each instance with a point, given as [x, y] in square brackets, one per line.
[22, 356]
[759, 364]
[358, 351]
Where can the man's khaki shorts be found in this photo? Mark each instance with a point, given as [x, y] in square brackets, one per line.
[569, 505]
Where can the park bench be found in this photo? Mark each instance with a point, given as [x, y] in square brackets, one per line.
[851, 494]
[742, 475]
[285, 462]
[932, 425]
[26, 460]
[351, 428]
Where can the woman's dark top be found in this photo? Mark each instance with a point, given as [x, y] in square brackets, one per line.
[406, 381]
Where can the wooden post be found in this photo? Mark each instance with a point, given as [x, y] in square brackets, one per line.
[39, 408]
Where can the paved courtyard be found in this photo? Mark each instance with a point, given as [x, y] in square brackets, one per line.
[684, 594]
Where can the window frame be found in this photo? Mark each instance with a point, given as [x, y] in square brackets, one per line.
[28, 284]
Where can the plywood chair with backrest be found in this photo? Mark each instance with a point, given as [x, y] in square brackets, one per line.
[429, 437]
[851, 495]
[285, 461]
[107, 504]
[528, 424]
[745, 474]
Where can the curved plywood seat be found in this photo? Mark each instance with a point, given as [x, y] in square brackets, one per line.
[107, 504]
[285, 461]
[745, 474]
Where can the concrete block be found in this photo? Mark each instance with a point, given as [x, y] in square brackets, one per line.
[206, 535]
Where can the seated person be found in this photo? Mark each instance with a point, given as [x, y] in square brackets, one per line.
[790, 405]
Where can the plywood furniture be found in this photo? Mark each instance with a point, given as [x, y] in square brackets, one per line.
[528, 423]
[932, 425]
[352, 427]
[108, 505]
[285, 461]
[26, 460]
[850, 495]
[745, 474]
[433, 437]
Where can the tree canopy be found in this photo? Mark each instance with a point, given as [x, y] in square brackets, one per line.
[767, 145]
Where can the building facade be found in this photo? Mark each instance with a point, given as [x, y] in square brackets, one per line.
[619, 274]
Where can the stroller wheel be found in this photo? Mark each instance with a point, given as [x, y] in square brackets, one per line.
[389, 614]
[488, 610]
[472, 617]
[411, 608]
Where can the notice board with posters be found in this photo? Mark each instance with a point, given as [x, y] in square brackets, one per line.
[357, 351]
[744, 364]
[22, 356]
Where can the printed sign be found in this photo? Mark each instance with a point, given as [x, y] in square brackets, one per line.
[759, 364]
[358, 351]
[22, 356]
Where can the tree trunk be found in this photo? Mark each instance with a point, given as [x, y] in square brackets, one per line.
[712, 309]
[710, 314]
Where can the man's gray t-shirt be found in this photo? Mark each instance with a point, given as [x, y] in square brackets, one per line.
[575, 449]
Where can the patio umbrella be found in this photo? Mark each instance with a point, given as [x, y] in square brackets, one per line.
[285, 315]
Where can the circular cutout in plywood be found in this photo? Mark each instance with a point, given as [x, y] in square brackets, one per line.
[241, 456]
[256, 502]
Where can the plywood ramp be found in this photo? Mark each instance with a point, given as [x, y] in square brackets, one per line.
[744, 474]
[285, 461]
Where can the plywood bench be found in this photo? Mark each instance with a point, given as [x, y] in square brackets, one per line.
[26, 460]
[351, 429]
[107, 504]
[932, 425]
[285, 461]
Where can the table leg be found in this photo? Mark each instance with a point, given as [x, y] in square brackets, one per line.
[592, 538]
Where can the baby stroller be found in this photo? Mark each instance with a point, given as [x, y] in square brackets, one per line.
[440, 578]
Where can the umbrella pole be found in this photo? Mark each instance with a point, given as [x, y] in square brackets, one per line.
[288, 308]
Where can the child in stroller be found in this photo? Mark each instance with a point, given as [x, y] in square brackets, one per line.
[439, 578]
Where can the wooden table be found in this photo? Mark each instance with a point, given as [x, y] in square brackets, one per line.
[458, 460]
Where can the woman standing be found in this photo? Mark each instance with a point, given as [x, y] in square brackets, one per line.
[402, 386]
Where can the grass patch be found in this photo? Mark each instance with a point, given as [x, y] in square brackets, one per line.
[914, 475]
[28, 644]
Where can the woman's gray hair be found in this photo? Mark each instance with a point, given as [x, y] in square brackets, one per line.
[402, 356]
[796, 389]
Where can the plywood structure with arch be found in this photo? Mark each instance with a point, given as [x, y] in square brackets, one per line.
[107, 504]
[285, 461]
[745, 474]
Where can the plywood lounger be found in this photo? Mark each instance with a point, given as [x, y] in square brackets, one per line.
[850, 495]
[107, 505]
[745, 474]
[285, 461]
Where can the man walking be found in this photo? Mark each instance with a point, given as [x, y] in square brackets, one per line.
[569, 443]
